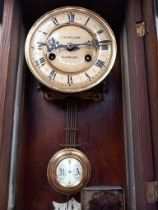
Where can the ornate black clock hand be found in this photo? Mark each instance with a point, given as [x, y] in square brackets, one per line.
[93, 43]
[54, 45]
[49, 46]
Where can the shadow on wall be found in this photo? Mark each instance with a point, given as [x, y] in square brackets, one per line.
[1, 9]
[107, 9]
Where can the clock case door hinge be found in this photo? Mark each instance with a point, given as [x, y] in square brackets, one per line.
[141, 28]
[152, 191]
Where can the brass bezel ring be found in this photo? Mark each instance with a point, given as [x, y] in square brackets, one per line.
[55, 160]
[63, 87]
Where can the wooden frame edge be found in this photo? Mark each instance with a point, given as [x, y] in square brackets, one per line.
[9, 55]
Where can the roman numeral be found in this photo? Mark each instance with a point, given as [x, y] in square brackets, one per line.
[104, 44]
[41, 62]
[99, 63]
[100, 31]
[52, 75]
[104, 47]
[39, 45]
[69, 80]
[61, 171]
[88, 76]
[71, 17]
[33, 46]
[55, 21]
[77, 171]
[43, 32]
[87, 21]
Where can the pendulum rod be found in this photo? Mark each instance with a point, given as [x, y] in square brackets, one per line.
[71, 125]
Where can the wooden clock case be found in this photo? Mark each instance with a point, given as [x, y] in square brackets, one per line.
[118, 134]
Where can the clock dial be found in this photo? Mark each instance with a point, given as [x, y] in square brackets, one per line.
[68, 171]
[70, 49]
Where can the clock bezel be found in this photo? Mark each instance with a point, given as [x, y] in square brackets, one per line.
[56, 159]
[63, 88]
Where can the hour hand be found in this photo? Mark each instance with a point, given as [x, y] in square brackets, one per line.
[52, 44]
[49, 44]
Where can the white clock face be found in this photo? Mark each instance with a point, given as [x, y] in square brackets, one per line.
[69, 172]
[70, 49]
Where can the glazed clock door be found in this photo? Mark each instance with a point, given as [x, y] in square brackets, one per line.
[100, 136]
[116, 124]
[77, 68]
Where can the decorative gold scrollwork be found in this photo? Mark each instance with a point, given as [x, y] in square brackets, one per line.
[96, 94]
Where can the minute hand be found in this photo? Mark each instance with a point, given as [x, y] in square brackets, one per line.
[94, 43]
[90, 44]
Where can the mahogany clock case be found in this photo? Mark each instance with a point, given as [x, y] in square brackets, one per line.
[100, 132]
[114, 133]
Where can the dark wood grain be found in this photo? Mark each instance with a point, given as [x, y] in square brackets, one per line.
[100, 125]
[100, 134]
[140, 112]
[151, 51]
[8, 62]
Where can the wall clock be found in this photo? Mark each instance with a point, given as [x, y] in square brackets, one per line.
[70, 49]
